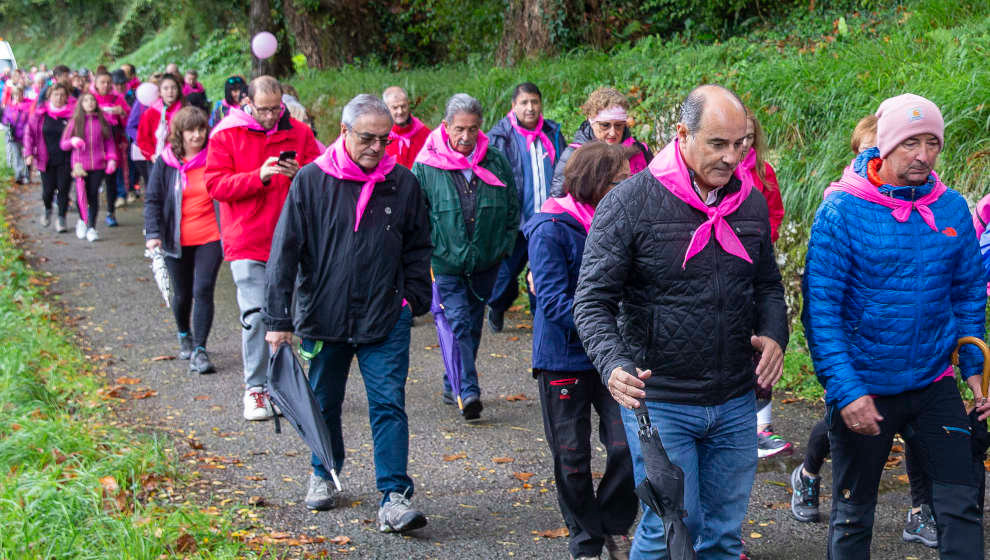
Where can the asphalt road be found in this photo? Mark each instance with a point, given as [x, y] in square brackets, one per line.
[477, 507]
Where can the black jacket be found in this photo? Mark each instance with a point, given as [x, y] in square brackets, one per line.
[348, 285]
[635, 306]
[163, 208]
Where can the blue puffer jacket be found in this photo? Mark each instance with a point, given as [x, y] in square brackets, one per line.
[556, 243]
[885, 301]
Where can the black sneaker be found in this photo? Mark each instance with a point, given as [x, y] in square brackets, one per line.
[185, 347]
[200, 362]
[804, 497]
[496, 320]
[921, 528]
[472, 408]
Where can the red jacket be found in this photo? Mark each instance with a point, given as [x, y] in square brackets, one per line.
[145, 140]
[249, 209]
[405, 150]
[771, 191]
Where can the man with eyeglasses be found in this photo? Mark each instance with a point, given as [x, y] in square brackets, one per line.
[246, 176]
[353, 246]
[475, 215]
[531, 144]
[408, 133]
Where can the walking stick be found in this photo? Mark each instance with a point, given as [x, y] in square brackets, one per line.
[986, 358]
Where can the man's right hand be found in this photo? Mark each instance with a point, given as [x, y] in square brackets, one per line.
[627, 389]
[273, 167]
[861, 416]
[276, 338]
[151, 244]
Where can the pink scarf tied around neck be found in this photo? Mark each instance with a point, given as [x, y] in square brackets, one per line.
[438, 153]
[669, 168]
[405, 138]
[336, 162]
[583, 213]
[861, 187]
[532, 135]
[170, 159]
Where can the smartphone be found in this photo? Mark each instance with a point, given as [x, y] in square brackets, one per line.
[283, 156]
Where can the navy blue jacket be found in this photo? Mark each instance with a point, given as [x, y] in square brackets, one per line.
[513, 145]
[556, 243]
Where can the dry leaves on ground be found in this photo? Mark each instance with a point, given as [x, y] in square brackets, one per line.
[454, 457]
[502, 460]
[128, 380]
[523, 476]
[553, 533]
[519, 397]
[144, 394]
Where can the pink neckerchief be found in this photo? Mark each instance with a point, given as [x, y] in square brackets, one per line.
[668, 168]
[404, 137]
[336, 162]
[438, 153]
[580, 211]
[860, 187]
[170, 159]
[531, 135]
[63, 113]
[637, 163]
[195, 88]
[134, 83]
[238, 118]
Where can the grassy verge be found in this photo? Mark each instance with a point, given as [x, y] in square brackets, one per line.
[72, 483]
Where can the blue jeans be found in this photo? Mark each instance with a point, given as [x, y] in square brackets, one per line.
[464, 299]
[384, 367]
[716, 447]
[506, 288]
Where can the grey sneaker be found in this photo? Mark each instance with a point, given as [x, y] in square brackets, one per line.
[46, 218]
[60, 224]
[618, 547]
[185, 346]
[921, 528]
[321, 494]
[397, 515]
[200, 362]
[804, 496]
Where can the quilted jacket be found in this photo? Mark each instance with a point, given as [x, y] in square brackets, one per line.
[584, 135]
[885, 301]
[636, 307]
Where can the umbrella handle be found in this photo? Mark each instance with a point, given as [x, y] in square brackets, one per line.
[643, 416]
[986, 358]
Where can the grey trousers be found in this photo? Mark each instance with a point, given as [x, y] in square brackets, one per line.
[15, 158]
[249, 277]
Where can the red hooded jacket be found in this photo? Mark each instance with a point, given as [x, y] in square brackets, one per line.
[145, 140]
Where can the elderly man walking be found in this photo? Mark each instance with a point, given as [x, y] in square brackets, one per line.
[475, 215]
[408, 133]
[246, 176]
[355, 205]
[893, 279]
[678, 288]
[531, 144]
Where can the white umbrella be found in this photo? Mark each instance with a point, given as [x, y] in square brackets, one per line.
[160, 272]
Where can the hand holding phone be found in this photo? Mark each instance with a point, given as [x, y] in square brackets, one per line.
[286, 155]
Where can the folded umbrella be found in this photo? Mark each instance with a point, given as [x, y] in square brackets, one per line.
[979, 436]
[449, 348]
[290, 391]
[663, 489]
[160, 272]
[81, 200]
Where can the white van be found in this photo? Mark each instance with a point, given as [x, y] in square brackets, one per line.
[7, 60]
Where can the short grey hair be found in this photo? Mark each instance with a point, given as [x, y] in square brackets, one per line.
[392, 91]
[462, 103]
[361, 105]
[693, 106]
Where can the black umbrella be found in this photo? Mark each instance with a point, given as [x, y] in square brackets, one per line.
[289, 390]
[980, 439]
[663, 489]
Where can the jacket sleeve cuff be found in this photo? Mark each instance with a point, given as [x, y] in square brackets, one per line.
[627, 365]
[847, 397]
[280, 324]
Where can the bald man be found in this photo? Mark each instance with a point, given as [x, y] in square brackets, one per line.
[408, 133]
[685, 247]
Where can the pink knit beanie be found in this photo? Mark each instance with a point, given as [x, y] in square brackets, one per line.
[904, 116]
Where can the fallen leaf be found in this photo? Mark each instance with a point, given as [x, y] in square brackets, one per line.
[128, 380]
[502, 460]
[454, 457]
[256, 501]
[523, 476]
[788, 401]
[340, 540]
[498, 355]
[897, 448]
[903, 478]
[553, 533]
[893, 462]
[185, 544]
[515, 309]
[755, 535]
[254, 477]
[201, 397]
[109, 485]
[513, 339]
[145, 394]
[519, 397]
[162, 358]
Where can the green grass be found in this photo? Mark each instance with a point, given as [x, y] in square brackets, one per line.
[60, 447]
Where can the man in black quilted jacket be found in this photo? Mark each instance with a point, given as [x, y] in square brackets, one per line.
[678, 302]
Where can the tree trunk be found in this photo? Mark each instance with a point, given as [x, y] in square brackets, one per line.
[526, 32]
[335, 33]
[279, 64]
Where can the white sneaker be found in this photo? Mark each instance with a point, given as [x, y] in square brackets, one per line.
[91, 235]
[257, 406]
[81, 229]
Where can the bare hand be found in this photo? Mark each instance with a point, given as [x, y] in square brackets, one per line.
[28, 160]
[627, 389]
[529, 281]
[771, 365]
[276, 338]
[273, 166]
[861, 416]
[152, 244]
[982, 404]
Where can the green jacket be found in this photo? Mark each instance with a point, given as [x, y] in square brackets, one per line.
[496, 218]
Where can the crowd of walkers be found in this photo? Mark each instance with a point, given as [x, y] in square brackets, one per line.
[652, 281]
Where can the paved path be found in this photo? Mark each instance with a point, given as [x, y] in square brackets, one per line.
[477, 507]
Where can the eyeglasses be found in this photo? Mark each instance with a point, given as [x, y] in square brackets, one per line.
[366, 139]
[267, 110]
[606, 126]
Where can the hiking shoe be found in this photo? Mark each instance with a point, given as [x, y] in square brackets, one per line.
[321, 495]
[185, 346]
[769, 444]
[111, 219]
[81, 229]
[200, 362]
[120, 203]
[618, 547]
[131, 197]
[472, 408]
[804, 496]
[921, 528]
[92, 235]
[449, 398]
[46, 218]
[496, 320]
[397, 515]
[257, 406]
[60, 225]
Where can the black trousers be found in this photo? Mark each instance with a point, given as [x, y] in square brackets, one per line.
[934, 423]
[56, 180]
[194, 278]
[567, 398]
[110, 189]
[92, 180]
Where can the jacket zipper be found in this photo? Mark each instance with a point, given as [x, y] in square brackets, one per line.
[917, 282]
[719, 322]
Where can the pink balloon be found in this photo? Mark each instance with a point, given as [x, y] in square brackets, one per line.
[264, 45]
[147, 93]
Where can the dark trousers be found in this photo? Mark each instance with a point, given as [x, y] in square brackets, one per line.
[55, 183]
[506, 288]
[818, 451]
[567, 398]
[934, 423]
[464, 299]
[93, 180]
[110, 188]
[194, 277]
[141, 170]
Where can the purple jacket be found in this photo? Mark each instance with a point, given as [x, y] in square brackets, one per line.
[34, 140]
[16, 117]
[134, 119]
[98, 148]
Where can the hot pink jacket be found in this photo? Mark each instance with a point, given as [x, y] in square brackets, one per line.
[98, 148]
